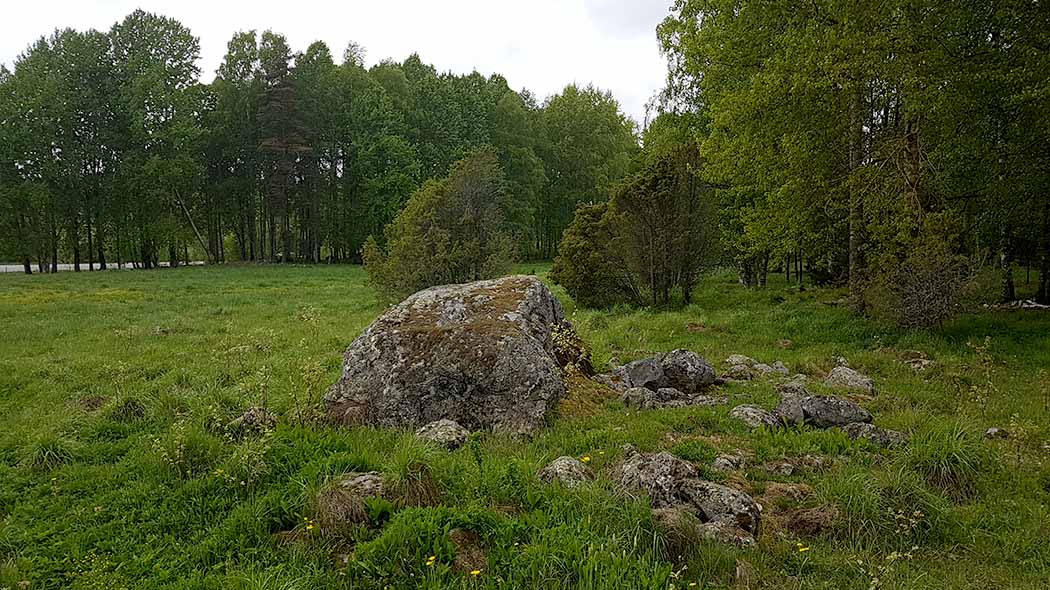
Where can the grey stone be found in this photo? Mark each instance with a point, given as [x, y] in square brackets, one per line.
[825, 411]
[754, 416]
[728, 463]
[680, 369]
[882, 437]
[445, 433]
[739, 359]
[996, 432]
[846, 378]
[480, 354]
[568, 471]
[672, 483]
[738, 373]
[638, 398]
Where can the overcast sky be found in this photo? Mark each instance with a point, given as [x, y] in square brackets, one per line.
[541, 45]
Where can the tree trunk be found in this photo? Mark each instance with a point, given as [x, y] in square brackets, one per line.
[857, 229]
[1043, 294]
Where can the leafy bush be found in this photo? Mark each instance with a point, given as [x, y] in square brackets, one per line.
[587, 266]
[452, 230]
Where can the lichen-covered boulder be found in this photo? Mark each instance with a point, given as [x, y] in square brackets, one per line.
[481, 354]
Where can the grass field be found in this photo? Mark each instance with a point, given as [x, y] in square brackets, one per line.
[116, 470]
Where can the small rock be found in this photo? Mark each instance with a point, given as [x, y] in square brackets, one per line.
[738, 373]
[996, 432]
[342, 503]
[777, 368]
[782, 468]
[739, 359]
[825, 411]
[445, 433]
[879, 436]
[793, 491]
[638, 398]
[763, 369]
[727, 463]
[781, 368]
[754, 416]
[846, 378]
[569, 471]
[785, 343]
[840, 361]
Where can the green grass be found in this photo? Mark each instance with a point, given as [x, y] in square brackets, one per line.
[116, 470]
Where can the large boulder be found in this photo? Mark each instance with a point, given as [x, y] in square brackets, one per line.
[481, 354]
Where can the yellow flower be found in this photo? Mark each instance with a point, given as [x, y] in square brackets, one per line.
[475, 572]
[692, 584]
[801, 548]
[430, 560]
[585, 458]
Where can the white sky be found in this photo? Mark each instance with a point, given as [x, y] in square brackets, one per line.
[541, 45]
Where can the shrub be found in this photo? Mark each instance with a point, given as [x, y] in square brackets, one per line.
[587, 266]
[452, 230]
[656, 236]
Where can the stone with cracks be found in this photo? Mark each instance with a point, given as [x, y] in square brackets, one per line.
[737, 373]
[481, 354]
[679, 369]
[445, 433]
[672, 483]
[825, 411]
[569, 471]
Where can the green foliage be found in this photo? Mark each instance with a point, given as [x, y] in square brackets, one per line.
[586, 265]
[452, 230]
[656, 236]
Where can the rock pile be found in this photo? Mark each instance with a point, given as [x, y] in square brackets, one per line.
[679, 497]
[674, 379]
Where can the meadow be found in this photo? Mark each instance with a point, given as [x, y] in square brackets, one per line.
[118, 470]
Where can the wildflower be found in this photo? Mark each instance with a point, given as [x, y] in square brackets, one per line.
[475, 573]
[431, 560]
[801, 548]
[692, 584]
[585, 459]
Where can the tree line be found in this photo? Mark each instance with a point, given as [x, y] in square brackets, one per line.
[112, 150]
[890, 145]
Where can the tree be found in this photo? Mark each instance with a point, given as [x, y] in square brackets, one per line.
[587, 149]
[656, 236]
[452, 230]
